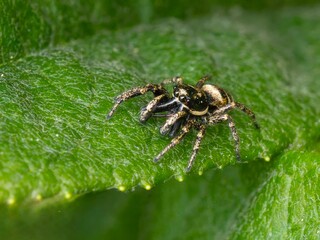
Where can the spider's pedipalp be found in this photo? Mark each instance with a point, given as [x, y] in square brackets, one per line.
[186, 128]
[171, 121]
[176, 127]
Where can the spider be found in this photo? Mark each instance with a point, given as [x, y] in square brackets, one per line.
[186, 108]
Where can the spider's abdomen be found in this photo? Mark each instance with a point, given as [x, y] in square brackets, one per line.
[217, 97]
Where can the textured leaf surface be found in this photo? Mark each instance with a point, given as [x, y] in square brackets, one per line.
[55, 138]
[260, 200]
[55, 142]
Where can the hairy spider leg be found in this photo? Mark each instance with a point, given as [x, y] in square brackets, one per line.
[171, 121]
[196, 146]
[155, 88]
[220, 111]
[177, 80]
[202, 81]
[240, 106]
[186, 128]
[162, 115]
[148, 110]
[234, 135]
[247, 111]
[226, 117]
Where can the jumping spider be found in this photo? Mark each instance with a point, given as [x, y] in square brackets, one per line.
[188, 107]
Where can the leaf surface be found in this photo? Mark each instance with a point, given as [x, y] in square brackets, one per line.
[55, 140]
[57, 83]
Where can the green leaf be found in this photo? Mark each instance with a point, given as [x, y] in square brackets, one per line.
[260, 200]
[31, 26]
[55, 142]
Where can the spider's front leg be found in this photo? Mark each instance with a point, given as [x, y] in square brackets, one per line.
[157, 90]
[226, 117]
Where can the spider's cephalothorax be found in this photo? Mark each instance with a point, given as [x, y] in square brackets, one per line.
[187, 107]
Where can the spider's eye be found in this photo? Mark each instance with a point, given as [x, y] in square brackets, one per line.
[182, 94]
[182, 98]
[176, 91]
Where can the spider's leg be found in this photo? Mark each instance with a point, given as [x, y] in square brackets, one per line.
[162, 115]
[196, 146]
[171, 121]
[221, 118]
[147, 111]
[224, 109]
[202, 81]
[176, 80]
[155, 88]
[234, 135]
[175, 140]
[214, 119]
[247, 111]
